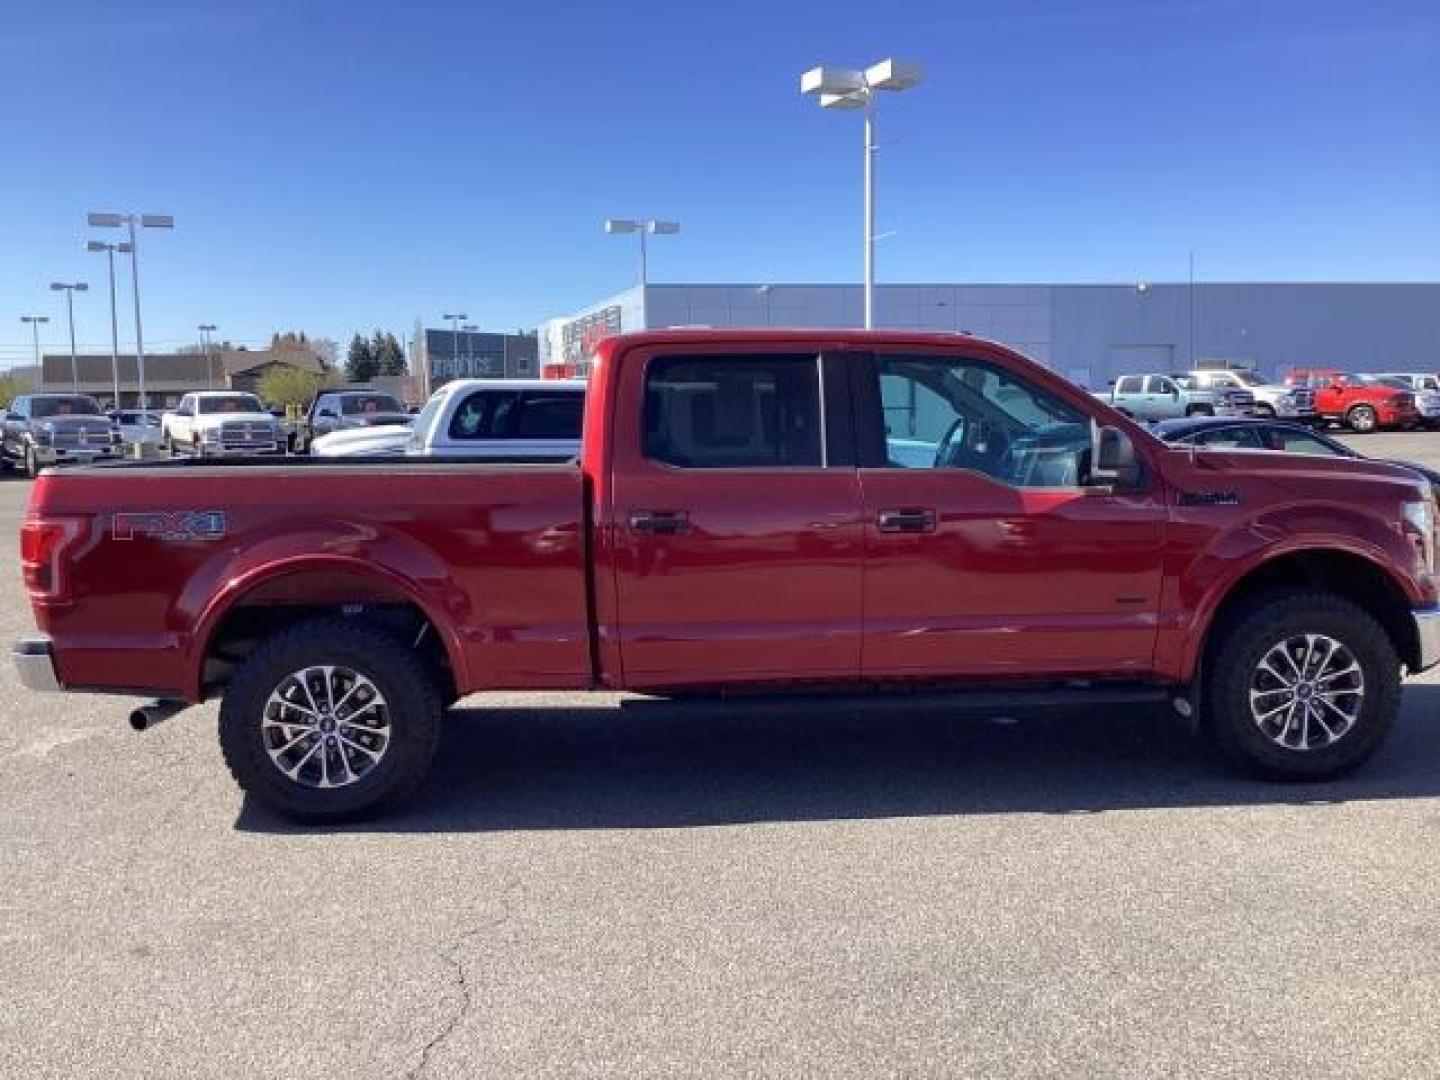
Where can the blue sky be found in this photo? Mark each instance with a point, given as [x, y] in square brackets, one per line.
[334, 166]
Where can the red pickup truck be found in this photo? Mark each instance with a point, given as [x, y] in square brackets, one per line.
[886, 517]
[1360, 402]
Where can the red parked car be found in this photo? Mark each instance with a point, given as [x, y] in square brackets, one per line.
[1360, 402]
[866, 517]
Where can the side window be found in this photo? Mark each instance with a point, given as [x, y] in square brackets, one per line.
[549, 415]
[959, 413]
[733, 412]
[1130, 384]
[1299, 442]
[1158, 384]
[484, 414]
[1231, 438]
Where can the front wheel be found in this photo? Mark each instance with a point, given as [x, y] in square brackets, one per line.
[1303, 686]
[330, 720]
[1361, 418]
[32, 463]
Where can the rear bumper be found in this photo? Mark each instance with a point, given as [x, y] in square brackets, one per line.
[35, 664]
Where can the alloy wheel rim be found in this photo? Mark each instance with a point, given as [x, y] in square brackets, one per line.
[326, 726]
[1307, 692]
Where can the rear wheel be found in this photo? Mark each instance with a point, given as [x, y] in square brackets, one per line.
[330, 720]
[1303, 686]
[1361, 418]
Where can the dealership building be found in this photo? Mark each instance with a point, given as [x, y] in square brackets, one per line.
[1088, 333]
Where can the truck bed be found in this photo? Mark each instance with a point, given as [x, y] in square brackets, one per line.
[494, 553]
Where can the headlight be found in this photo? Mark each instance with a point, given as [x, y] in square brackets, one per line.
[1420, 516]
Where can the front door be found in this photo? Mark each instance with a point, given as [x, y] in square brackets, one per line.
[735, 522]
[987, 555]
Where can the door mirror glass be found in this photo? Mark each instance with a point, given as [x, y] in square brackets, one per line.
[1115, 460]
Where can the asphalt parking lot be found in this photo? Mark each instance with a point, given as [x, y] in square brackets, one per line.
[581, 891]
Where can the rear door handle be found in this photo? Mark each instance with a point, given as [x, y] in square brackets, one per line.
[660, 522]
[907, 520]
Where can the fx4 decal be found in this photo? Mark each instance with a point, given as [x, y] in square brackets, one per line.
[170, 525]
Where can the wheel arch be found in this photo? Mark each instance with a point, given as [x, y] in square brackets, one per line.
[253, 605]
[1344, 573]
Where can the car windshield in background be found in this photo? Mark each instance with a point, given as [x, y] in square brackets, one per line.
[1391, 381]
[1249, 378]
[70, 405]
[225, 403]
[359, 404]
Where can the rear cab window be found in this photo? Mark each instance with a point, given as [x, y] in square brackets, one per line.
[734, 412]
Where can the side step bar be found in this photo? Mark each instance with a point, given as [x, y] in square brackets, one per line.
[881, 701]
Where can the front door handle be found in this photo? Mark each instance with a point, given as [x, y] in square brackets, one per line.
[660, 522]
[907, 520]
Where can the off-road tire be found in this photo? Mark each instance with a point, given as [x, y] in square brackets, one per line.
[32, 465]
[1246, 639]
[1361, 418]
[412, 703]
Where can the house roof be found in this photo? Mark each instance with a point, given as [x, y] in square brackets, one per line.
[240, 363]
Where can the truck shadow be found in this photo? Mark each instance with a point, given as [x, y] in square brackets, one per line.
[608, 768]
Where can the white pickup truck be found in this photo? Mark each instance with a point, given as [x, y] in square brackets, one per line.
[526, 419]
[216, 423]
[1162, 397]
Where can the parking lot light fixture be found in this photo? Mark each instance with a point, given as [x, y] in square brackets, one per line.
[455, 321]
[207, 343]
[130, 221]
[110, 250]
[35, 321]
[852, 89]
[642, 228]
[70, 289]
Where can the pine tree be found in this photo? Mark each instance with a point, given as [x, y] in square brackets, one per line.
[388, 353]
[360, 365]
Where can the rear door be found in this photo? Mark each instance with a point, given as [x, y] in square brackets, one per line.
[991, 559]
[735, 519]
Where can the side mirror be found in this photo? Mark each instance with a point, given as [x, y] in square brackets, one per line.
[1175, 392]
[12, 417]
[1115, 461]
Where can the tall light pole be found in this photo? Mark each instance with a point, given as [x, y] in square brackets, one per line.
[70, 289]
[110, 249]
[844, 88]
[643, 228]
[455, 336]
[469, 328]
[147, 221]
[35, 321]
[206, 329]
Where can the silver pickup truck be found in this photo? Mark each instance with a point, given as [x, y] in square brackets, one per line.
[56, 429]
[1162, 397]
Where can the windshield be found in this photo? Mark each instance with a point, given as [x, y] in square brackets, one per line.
[360, 404]
[1367, 379]
[231, 403]
[69, 405]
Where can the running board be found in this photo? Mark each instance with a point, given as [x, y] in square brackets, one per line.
[890, 701]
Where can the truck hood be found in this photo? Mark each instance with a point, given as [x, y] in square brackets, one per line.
[386, 438]
[73, 425]
[211, 419]
[1303, 474]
